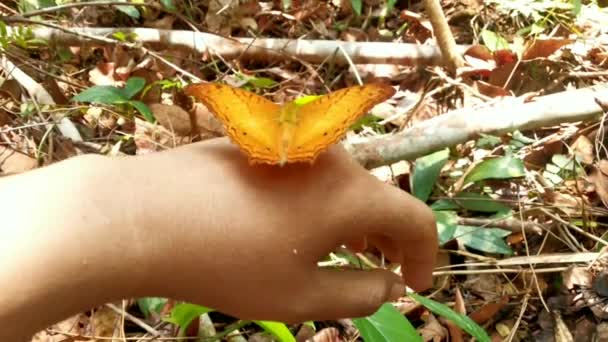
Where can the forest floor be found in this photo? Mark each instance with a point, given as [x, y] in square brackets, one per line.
[508, 149]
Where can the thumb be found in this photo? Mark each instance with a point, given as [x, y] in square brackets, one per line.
[352, 293]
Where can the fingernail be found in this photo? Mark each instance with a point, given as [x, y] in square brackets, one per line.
[397, 291]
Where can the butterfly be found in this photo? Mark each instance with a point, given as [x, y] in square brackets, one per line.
[278, 134]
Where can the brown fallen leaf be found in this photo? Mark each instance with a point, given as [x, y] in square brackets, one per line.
[433, 330]
[542, 48]
[305, 332]
[577, 276]
[13, 162]
[11, 88]
[583, 148]
[488, 311]
[480, 52]
[5, 119]
[456, 334]
[327, 335]
[491, 90]
[173, 118]
[599, 178]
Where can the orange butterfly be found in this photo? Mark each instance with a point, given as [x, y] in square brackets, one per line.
[274, 134]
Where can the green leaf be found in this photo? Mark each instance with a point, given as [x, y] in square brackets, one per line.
[426, 172]
[131, 11]
[286, 4]
[390, 5]
[101, 94]
[168, 5]
[447, 221]
[386, 325]
[494, 41]
[278, 330]
[487, 141]
[357, 6]
[261, 82]
[470, 201]
[147, 305]
[462, 321]
[497, 168]
[133, 86]
[184, 313]
[300, 101]
[490, 240]
[371, 121]
[144, 110]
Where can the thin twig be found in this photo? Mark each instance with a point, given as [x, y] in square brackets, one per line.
[134, 319]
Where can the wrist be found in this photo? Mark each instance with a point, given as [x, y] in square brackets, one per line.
[67, 242]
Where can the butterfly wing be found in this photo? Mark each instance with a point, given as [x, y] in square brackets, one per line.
[250, 120]
[325, 120]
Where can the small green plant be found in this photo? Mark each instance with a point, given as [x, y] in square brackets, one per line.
[122, 97]
[22, 37]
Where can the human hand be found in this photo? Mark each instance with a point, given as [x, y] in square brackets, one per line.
[245, 240]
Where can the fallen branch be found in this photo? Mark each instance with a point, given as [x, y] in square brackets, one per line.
[465, 124]
[445, 40]
[260, 49]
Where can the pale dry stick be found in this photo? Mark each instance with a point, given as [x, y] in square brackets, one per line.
[508, 223]
[122, 320]
[458, 83]
[69, 31]
[351, 64]
[264, 49]
[38, 95]
[601, 133]
[458, 126]
[575, 228]
[175, 67]
[42, 71]
[527, 248]
[134, 319]
[524, 306]
[585, 74]
[500, 270]
[471, 255]
[600, 254]
[136, 339]
[105, 3]
[560, 258]
[8, 8]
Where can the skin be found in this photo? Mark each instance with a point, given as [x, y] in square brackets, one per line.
[198, 223]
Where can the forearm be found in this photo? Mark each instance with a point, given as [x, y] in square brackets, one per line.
[66, 243]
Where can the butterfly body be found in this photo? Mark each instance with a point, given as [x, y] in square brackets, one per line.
[273, 134]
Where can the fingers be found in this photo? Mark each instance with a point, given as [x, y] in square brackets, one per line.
[404, 228]
[349, 293]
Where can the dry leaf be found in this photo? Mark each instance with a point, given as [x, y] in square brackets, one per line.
[583, 148]
[5, 119]
[305, 332]
[433, 330]
[542, 48]
[173, 118]
[105, 322]
[13, 162]
[480, 52]
[488, 311]
[103, 74]
[562, 333]
[577, 276]
[165, 23]
[599, 177]
[327, 335]
[11, 88]
[456, 334]
[490, 89]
